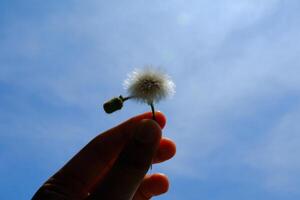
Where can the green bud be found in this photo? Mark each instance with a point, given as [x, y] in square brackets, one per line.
[113, 105]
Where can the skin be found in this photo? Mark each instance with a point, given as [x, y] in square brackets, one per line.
[114, 164]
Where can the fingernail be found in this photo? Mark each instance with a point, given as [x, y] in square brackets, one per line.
[147, 132]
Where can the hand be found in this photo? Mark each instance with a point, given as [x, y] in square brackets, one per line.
[113, 165]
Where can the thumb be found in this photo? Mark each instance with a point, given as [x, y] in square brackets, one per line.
[131, 166]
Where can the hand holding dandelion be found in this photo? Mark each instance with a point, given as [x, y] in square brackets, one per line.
[114, 164]
[148, 86]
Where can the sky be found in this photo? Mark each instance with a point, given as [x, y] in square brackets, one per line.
[235, 115]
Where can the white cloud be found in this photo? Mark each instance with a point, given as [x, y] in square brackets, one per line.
[236, 87]
[277, 154]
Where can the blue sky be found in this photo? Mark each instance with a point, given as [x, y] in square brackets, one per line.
[235, 116]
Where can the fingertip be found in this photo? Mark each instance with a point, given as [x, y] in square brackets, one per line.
[160, 183]
[160, 118]
[153, 185]
[148, 131]
[166, 150]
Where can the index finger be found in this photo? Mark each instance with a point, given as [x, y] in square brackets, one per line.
[93, 162]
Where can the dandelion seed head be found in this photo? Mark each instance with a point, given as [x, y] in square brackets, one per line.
[149, 85]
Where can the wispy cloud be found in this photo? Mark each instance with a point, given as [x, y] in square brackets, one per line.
[276, 155]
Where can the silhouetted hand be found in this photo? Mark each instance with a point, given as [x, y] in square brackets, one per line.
[113, 165]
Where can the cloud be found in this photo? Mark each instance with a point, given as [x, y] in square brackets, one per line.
[221, 100]
[277, 154]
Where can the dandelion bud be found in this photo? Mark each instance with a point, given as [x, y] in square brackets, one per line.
[113, 105]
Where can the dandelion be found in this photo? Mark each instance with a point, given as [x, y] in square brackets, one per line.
[147, 85]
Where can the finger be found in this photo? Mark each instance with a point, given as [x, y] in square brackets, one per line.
[132, 164]
[152, 185]
[92, 163]
[166, 150]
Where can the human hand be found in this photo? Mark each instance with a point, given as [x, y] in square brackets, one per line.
[114, 164]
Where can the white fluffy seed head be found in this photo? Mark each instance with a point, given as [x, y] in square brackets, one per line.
[149, 85]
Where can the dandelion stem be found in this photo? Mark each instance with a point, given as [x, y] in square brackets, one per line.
[125, 98]
[153, 111]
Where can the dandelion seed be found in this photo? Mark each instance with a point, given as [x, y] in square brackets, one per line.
[148, 85]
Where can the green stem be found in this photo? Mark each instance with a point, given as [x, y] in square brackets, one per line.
[153, 111]
[125, 98]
